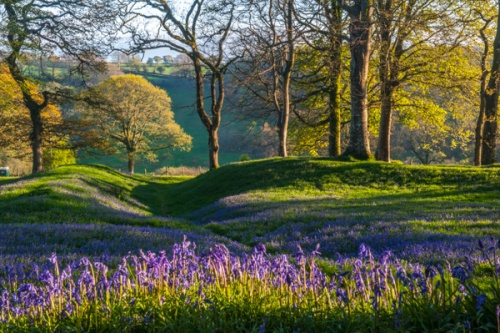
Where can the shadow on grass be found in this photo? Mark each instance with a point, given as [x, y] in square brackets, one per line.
[304, 174]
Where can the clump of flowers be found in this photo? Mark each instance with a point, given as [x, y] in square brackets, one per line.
[156, 290]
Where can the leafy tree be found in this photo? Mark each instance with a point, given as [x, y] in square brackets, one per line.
[157, 59]
[168, 60]
[320, 67]
[161, 69]
[15, 124]
[135, 63]
[135, 115]
[412, 36]
[77, 28]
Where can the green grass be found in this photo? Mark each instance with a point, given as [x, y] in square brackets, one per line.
[364, 184]
[424, 214]
[278, 202]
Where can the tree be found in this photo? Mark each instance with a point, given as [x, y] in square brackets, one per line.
[136, 63]
[486, 18]
[269, 42]
[201, 32]
[360, 37]
[490, 97]
[78, 28]
[324, 48]
[131, 112]
[168, 60]
[157, 59]
[161, 69]
[15, 124]
[184, 66]
[412, 36]
[120, 58]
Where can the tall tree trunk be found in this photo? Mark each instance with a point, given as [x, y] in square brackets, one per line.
[491, 102]
[334, 119]
[211, 123]
[213, 146]
[335, 67]
[478, 147]
[15, 38]
[360, 39]
[284, 115]
[36, 136]
[383, 151]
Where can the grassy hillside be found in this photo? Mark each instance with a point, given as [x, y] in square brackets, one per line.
[348, 247]
[280, 203]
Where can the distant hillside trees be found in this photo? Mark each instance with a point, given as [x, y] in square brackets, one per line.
[133, 115]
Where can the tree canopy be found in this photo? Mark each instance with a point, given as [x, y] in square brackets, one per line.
[135, 116]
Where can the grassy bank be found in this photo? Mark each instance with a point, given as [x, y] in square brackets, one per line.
[427, 227]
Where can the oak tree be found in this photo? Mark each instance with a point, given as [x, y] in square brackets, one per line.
[133, 114]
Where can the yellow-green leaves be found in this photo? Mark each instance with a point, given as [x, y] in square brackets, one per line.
[135, 116]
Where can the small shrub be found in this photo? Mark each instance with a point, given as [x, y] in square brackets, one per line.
[244, 158]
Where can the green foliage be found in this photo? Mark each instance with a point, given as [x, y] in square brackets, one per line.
[244, 158]
[135, 116]
[54, 157]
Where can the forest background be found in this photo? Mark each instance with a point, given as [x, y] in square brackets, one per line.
[287, 69]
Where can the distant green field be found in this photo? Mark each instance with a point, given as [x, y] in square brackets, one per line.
[182, 93]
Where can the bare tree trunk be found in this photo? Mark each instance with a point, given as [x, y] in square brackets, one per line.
[213, 146]
[34, 108]
[131, 161]
[284, 113]
[478, 147]
[491, 102]
[335, 65]
[210, 123]
[334, 121]
[383, 152]
[36, 137]
[360, 40]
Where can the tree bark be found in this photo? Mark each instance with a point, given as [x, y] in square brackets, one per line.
[213, 146]
[360, 39]
[16, 38]
[491, 102]
[334, 119]
[478, 146]
[383, 151]
[284, 115]
[131, 161]
[335, 67]
[211, 123]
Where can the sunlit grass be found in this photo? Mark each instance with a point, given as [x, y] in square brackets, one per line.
[424, 215]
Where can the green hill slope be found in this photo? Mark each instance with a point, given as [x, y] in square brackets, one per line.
[421, 213]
